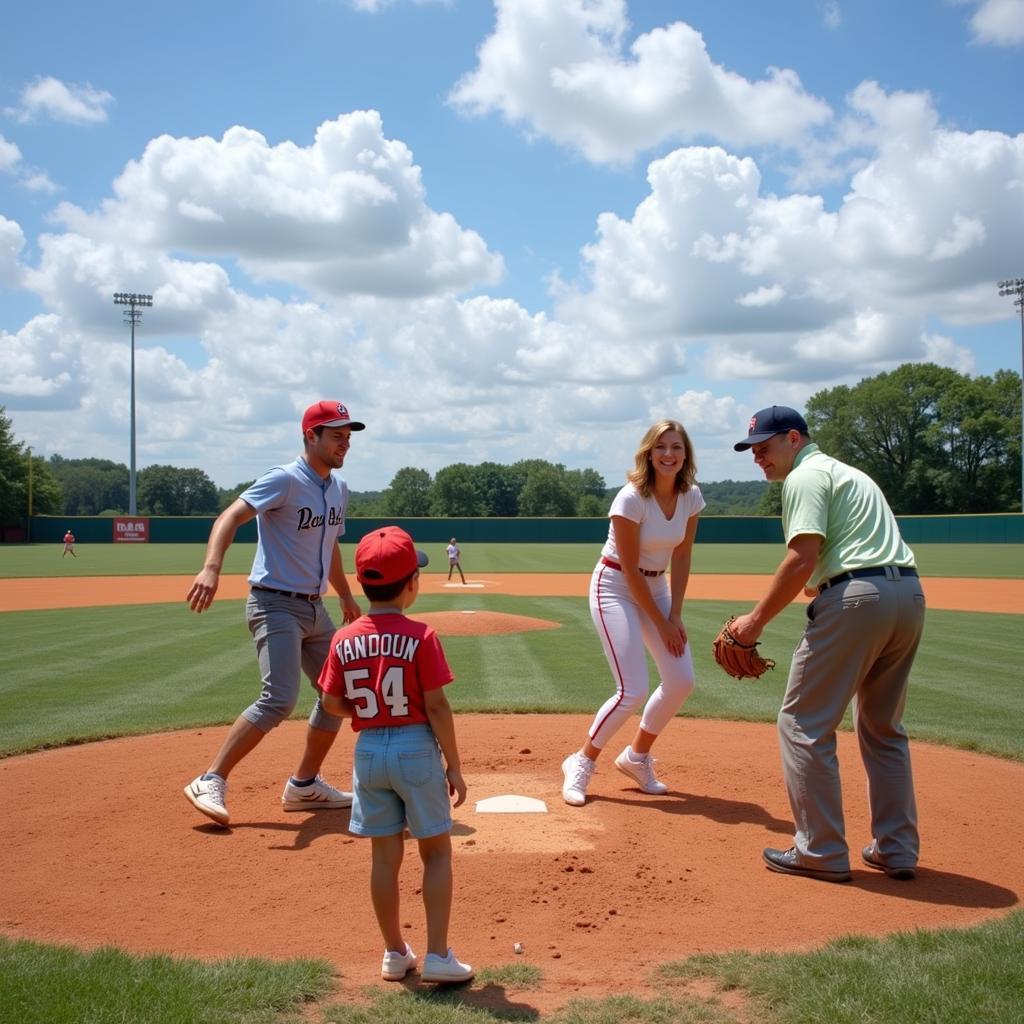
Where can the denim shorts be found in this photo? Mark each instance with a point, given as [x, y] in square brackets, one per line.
[399, 782]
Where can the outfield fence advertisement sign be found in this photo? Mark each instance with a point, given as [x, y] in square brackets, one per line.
[131, 530]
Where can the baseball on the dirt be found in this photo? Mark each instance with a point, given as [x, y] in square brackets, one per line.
[518, 947]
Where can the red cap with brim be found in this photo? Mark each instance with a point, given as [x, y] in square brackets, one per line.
[329, 414]
[387, 555]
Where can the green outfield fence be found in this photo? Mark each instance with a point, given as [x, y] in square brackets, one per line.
[1005, 528]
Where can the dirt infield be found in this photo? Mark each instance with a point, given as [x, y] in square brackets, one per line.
[953, 594]
[598, 895]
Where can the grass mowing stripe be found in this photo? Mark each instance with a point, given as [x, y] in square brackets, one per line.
[515, 672]
[999, 561]
[516, 677]
[112, 671]
[125, 672]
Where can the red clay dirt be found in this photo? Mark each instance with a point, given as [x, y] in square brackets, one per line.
[952, 593]
[598, 896]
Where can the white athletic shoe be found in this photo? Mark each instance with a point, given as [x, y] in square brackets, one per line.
[207, 796]
[641, 772]
[318, 796]
[397, 965]
[577, 770]
[445, 969]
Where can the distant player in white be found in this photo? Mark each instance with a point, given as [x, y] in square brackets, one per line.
[634, 606]
[453, 559]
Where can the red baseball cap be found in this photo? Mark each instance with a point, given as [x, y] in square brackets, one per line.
[329, 414]
[387, 555]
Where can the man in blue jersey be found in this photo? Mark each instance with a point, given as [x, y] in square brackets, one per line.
[300, 514]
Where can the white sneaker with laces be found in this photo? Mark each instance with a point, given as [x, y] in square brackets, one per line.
[641, 772]
[577, 770]
[318, 796]
[207, 796]
[397, 965]
[445, 969]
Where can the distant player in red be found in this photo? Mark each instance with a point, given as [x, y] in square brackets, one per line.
[388, 674]
[69, 545]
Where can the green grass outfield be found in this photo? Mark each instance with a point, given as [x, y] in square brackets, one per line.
[995, 561]
[115, 671]
[118, 671]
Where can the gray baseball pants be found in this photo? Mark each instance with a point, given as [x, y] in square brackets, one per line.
[292, 636]
[859, 646]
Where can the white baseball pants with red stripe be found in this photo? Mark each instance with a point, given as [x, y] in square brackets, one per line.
[626, 633]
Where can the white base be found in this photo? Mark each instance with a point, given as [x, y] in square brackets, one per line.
[510, 803]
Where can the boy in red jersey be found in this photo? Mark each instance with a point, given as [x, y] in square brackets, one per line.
[388, 673]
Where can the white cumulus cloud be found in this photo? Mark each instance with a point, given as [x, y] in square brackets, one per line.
[998, 22]
[48, 97]
[10, 155]
[780, 287]
[12, 242]
[561, 68]
[346, 214]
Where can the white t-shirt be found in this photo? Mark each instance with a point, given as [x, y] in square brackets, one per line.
[659, 536]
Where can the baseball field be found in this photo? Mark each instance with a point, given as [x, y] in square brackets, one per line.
[120, 903]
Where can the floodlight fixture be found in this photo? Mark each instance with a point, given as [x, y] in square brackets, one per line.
[1015, 286]
[132, 315]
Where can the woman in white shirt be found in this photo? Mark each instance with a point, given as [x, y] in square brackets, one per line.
[636, 608]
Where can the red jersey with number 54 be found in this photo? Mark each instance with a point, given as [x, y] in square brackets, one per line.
[383, 663]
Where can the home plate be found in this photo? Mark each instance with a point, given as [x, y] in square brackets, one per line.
[510, 803]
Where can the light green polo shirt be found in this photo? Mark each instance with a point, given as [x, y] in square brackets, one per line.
[845, 506]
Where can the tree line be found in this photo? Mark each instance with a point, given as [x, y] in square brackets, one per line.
[936, 441]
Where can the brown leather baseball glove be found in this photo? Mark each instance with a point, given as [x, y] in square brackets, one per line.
[741, 661]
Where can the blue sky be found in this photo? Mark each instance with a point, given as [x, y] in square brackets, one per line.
[525, 229]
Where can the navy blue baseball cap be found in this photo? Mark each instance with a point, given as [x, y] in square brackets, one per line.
[776, 419]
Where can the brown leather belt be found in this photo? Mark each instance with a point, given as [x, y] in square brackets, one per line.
[287, 593]
[859, 574]
[643, 572]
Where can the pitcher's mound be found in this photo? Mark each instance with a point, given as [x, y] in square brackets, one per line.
[482, 623]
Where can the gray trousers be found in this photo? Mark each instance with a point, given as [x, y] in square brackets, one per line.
[292, 636]
[859, 645]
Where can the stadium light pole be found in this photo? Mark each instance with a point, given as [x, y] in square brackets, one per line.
[133, 316]
[1015, 286]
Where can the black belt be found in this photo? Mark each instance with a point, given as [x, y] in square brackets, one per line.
[859, 574]
[643, 572]
[287, 593]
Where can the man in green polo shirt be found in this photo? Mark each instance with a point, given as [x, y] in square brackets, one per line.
[863, 628]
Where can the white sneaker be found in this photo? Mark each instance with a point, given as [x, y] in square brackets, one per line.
[445, 969]
[577, 770]
[397, 965]
[641, 772]
[318, 796]
[207, 796]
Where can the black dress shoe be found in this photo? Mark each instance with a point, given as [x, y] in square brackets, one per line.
[870, 857]
[787, 862]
